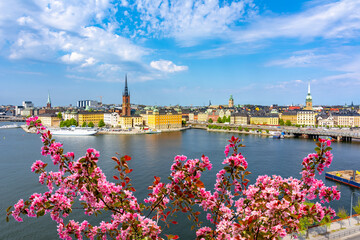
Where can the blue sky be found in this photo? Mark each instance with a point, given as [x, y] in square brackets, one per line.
[180, 51]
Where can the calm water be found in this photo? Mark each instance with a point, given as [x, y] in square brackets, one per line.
[151, 155]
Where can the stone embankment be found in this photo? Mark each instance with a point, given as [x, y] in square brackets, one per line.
[339, 229]
[136, 131]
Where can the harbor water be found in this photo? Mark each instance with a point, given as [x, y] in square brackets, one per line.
[152, 155]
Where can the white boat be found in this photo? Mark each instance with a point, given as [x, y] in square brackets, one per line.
[73, 131]
[9, 126]
[152, 131]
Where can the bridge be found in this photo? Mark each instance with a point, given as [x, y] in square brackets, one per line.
[4, 118]
[313, 133]
[340, 135]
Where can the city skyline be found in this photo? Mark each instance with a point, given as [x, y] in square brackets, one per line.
[185, 52]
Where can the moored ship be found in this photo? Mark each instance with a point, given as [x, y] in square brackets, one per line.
[74, 131]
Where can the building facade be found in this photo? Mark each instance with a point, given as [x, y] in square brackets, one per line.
[289, 116]
[239, 118]
[88, 117]
[87, 104]
[49, 120]
[307, 118]
[164, 119]
[265, 120]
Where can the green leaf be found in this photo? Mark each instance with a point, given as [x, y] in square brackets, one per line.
[40, 213]
[8, 209]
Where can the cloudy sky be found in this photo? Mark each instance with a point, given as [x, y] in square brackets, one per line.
[180, 51]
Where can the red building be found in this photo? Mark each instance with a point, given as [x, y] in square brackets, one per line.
[294, 108]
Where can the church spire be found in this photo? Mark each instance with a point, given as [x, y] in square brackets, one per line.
[126, 91]
[48, 104]
[48, 101]
[309, 88]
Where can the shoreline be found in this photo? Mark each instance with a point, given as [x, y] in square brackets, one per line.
[244, 132]
[137, 132]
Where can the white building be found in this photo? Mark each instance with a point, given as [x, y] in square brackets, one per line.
[111, 119]
[28, 104]
[88, 103]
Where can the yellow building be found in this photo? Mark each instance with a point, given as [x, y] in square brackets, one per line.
[307, 118]
[203, 117]
[93, 117]
[349, 119]
[49, 120]
[125, 122]
[239, 118]
[137, 120]
[265, 120]
[164, 119]
[289, 116]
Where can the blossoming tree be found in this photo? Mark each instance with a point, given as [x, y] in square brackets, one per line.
[269, 209]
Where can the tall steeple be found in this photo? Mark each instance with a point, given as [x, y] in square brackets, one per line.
[308, 101]
[126, 107]
[126, 91]
[48, 104]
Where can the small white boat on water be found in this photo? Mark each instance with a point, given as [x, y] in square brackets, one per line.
[74, 131]
[152, 131]
[9, 126]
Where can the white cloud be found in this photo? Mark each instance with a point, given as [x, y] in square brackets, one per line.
[88, 62]
[74, 57]
[287, 84]
[335, 20]
[71, 15]
[309, 58]
[167, 66]
[189, 21]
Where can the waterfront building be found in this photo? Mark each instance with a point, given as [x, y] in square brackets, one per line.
[18, 110]
[164, 119]
[239, 118]
[29, 112]
[308, 101]
[125, 122]
[289, 116]
[111, 119]
[49, 120]
[268, 119]
[306, 117]
[213, 114]
[87, 117]
[349, 119]
[185, 114]
[137, 120]
[67, 115]
[231, 102]
[203, 117]
[193, 117]
[325, 120]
